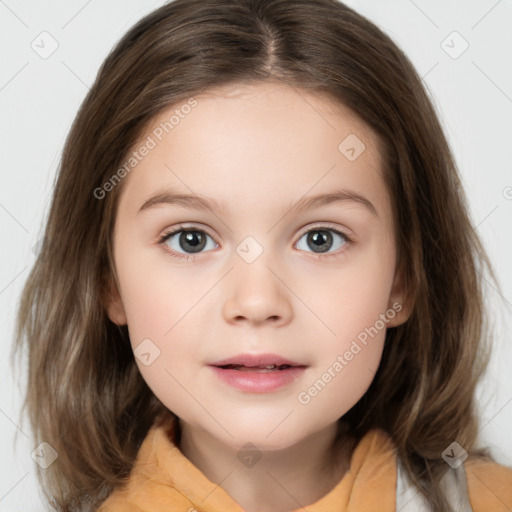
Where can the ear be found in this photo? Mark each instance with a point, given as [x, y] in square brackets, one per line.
[400, 301]
[113, 304]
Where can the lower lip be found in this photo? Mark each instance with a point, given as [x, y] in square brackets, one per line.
[259, 382]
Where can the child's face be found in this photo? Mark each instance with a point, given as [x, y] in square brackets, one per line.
[257, 286]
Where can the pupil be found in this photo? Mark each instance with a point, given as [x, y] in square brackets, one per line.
[321, 240]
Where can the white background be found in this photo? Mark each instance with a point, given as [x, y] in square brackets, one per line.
[40, 97]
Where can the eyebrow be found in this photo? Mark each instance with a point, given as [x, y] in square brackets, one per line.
[199, 202]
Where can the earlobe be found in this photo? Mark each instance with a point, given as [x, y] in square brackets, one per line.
[399, 301]
[113, 304]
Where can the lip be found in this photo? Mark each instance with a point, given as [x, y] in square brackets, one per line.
[258, 380]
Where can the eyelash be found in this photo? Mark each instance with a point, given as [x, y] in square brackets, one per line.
[166, 235]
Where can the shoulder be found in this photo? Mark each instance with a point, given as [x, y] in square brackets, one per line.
[374, 450]
[150, 485]
[113, 506]
[489, 485]
[142, 495]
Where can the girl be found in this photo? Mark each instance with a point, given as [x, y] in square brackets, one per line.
[259, 285]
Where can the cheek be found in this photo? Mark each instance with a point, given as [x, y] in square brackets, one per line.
[354, 296]
[343, 381]
[163, 312]
[154, 298]
[347, 362]
[165, 339]
[355, 311]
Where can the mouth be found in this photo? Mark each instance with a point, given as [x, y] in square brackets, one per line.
[253, 362]
[260, 373]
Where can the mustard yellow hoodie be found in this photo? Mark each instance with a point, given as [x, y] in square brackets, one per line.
[164, 480]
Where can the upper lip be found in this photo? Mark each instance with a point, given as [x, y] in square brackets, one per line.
[256, 360]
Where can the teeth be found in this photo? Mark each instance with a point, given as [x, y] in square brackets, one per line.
[252, 368]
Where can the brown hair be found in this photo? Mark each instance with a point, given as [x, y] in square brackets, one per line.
[85, 395]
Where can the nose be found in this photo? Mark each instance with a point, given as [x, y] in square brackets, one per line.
[256, 294]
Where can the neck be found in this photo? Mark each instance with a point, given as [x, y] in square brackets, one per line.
[281, 480]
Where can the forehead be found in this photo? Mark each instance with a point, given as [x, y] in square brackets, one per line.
[254, 142]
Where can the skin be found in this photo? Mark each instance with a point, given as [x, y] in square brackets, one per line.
[257, 149]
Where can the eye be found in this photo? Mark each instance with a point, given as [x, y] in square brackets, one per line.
[321, 240]
[191, 240]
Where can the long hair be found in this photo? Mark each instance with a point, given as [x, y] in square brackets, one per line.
[85, 395]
